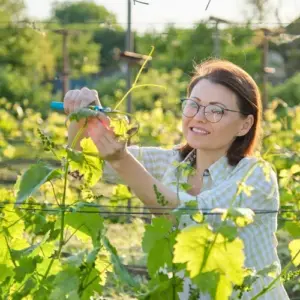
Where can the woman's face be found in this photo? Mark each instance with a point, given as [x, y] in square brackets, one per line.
[202, 134]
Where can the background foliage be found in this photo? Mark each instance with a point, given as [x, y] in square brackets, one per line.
[30, 65]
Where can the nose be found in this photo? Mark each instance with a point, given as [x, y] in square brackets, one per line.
[200, 116]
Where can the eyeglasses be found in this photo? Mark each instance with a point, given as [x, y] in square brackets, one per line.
[212, 112]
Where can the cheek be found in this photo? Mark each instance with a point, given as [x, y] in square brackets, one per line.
[225, 131]
[185, 125]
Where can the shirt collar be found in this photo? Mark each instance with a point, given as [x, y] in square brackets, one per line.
[220, 169]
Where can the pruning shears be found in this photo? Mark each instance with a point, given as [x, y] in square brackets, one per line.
[59, 106]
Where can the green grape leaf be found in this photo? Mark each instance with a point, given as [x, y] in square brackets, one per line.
[29, 285]
[226, 258]
[86, 224]
[18, 254]
[27, 265]
[244, 188]
[159, 228]
[293, 228]
[120, 125]
[103, 265]
[271, 270]
[76, 260]
[207, 282]
[118, 266]
[184, 186]
[65, 282]
[92, 256]
[228, 231]
[120, 193]
[43, 266]
[294, 247]
[160, 256]
[161, 287]
[82, 113]
[94, 286]
[198, 217]
[240, 216]
[33, 178]
[11, 221]
[6, 271]
[87, 161]
[189, 208]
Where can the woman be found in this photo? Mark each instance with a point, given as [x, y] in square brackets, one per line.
[221, 123]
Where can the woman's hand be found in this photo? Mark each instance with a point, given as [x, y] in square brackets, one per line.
[76, 99]
[109, 146]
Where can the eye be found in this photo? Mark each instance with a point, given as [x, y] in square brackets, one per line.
[214, 109]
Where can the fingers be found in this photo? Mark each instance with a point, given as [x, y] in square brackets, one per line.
[87, 97]
[75, 99]
[109, 147]
[69, 100]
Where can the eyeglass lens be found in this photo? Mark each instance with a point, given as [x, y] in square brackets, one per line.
[213, 113]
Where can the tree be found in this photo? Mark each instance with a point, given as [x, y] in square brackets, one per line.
[92, 49]
[82, 12]
[11, 10]
[26, 60]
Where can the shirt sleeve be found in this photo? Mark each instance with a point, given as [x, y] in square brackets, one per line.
[155, 160]
[252, 185]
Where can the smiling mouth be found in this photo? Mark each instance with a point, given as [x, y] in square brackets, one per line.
[199, 131]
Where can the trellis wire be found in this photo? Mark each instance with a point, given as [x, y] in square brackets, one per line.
[68, 209]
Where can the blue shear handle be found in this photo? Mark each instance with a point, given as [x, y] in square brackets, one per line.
[57, 106]
[60, 107]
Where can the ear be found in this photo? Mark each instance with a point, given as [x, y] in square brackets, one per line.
[246, 125]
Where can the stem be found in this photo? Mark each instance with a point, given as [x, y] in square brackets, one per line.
[54, 193]
[72, 234]
[135, 87]
[9, 250]
[62, 206]
[143, 66]
[136, 79]
[268, 287]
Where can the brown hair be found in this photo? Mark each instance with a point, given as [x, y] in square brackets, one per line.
[249, 101]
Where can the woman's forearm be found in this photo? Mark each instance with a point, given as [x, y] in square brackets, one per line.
[142, 183]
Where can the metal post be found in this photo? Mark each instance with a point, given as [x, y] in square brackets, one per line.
[264, 69]
[128, 48]
[65, 75]
[217, 41]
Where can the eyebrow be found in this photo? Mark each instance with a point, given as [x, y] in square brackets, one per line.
[210, 102]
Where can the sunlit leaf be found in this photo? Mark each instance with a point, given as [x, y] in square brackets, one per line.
[87, 161]
[33, 178]
[226, 258]
[294, 247]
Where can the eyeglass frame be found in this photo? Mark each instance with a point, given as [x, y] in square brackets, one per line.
[200, 105]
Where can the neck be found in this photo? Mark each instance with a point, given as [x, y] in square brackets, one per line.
[205, 158]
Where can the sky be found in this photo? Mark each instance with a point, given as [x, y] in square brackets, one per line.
[182, 13]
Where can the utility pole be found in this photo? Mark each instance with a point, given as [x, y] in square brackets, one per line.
[66, 68]
[65, 51]
[265, 53]
[128, 47]
[216, 34]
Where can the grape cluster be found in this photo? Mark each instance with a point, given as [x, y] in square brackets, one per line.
[48, 144]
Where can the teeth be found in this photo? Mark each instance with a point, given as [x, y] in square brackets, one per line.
[199, 130]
